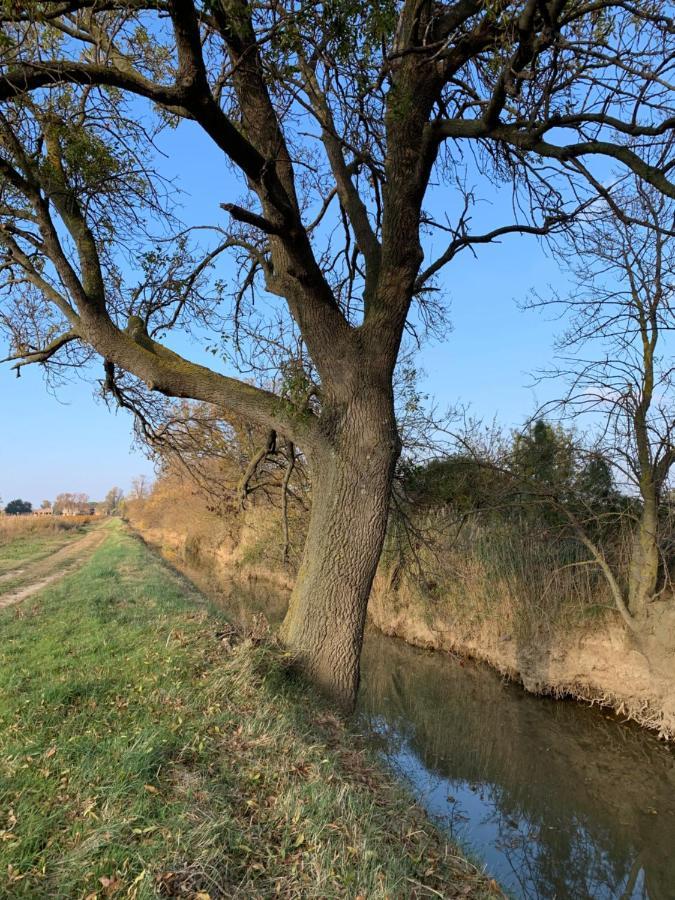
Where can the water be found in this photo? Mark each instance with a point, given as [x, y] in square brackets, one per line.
[556, 800]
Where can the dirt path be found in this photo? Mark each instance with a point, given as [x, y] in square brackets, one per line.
[33, 577]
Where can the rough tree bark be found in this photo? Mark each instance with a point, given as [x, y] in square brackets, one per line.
[644, 560]
[352, 473]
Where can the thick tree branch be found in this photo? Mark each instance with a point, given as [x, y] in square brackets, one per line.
[171, 374]
[251, 218]
[36, 278]
[349, 196]
[134, 351]
[528, 140]
[285, 489]
[269, 448]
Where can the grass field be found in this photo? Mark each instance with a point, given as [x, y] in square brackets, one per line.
[143, 754]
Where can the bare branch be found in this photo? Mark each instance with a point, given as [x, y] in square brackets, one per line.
[43, 355]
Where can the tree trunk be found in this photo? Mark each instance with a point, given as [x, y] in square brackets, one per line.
[351, 484]
[644, 563]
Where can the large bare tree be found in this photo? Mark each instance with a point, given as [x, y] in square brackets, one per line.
[339, 119]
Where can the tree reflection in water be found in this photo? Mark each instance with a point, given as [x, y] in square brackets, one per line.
[558, 800]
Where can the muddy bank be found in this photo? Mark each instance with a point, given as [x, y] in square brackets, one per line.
[598, 663]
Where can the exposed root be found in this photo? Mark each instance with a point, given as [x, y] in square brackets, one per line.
[642, 712]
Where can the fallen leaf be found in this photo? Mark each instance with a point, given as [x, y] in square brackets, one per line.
[138, 878]
[109, 885]
[13, 874]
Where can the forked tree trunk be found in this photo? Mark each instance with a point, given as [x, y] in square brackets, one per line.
[351, 485]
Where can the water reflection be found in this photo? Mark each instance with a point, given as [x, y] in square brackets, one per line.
[559, 801]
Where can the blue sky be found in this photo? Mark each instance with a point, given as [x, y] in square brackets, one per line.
[71, 441]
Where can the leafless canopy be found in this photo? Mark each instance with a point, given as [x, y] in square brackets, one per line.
[337, 117]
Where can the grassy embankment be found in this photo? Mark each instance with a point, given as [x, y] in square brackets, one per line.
[141, 755]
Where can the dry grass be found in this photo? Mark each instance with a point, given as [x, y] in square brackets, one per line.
[180, 519]
[13, 527]
[179, 513]
[495, 575]
[483, 574]
[29, 539]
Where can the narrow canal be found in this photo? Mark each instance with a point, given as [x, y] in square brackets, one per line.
[557, 800]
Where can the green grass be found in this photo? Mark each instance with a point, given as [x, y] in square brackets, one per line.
[142, 756]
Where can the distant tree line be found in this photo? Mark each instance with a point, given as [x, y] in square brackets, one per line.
[18, 508]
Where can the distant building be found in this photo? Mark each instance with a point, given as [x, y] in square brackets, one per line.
[81, 509]
[73, 511]
[47, 511]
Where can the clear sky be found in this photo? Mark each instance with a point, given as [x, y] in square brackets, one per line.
[72, 442]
